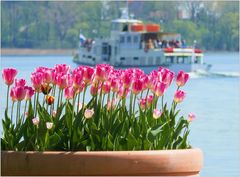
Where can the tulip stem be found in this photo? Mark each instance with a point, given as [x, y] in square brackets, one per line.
[134, 102]
[162, 101]
[25, 108]
[8, 88]
[130, 105]
[36, 104]
[59, 92]
[12, 110]
[78, 102]
[84, 92]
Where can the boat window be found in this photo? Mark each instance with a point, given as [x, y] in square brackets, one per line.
[122, 58]
[89, 56]
[93, 59]
[129, 39]
[135, 58]
[180, 60]
[116, 50]
[135, 39]
[122, 39]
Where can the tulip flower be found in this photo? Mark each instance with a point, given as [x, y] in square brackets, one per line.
[87, 74]
[126, 79]
[106, 87]
[156, 114]
[123, 92]
[49, 99]
[149, 100]
[88, 113]
[18, 93]
[115, 84]
[100, 73]
[182, 78]
[61, 81]
[46, 88]
[77, 79]
[20, 82]
[166, 76]
[191, 117]
[62, 68]
[137, 86]
[9, 75]
[35, 121]
[93, 90]
[37, 80]
[49, 125]
[179, 96]
[54, 113]
[29, 92]
[160, 88]
[142, 103]
[69, 93]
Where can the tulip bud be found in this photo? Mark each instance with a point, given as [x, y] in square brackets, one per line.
[49, 99]
[88, 113]
[191, 117]
[142, 103]
[36, 121]
[156, 114]
[8, 75]
[46, 88]
[49, 125]
[54, 113]
[179, 96]
[182, 78]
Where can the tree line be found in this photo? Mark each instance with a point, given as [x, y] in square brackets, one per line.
[52, 24]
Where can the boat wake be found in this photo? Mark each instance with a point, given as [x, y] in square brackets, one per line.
[199, 74]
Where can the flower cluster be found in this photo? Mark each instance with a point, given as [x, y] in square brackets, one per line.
[122, 112]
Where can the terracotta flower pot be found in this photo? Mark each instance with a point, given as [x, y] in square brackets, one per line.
[162, 162]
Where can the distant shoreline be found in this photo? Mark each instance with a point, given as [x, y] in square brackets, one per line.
[8, 51]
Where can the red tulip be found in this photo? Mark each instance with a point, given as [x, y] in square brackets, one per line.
[62, 68]
[179, 96]
[8, 75]
[182, 78]
[106, 87]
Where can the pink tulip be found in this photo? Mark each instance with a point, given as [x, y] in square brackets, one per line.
[101, 73]
[179, 96]
[20, 82]
[156, 114]
[47, 74]
[29, 92]
[8, 75]
[191, 117]
[18, 93]
[88, 113]
[106, 87]
[35, 121]
[62, 81]
[77, 78]
[165, 75]
[142, 103]
[123, 92]
[54, 113]
[160, 88]
[93, 90]
[115, 84]
[62, 68]
[137, 86]
[149, 100]
[182, 78]
[37, 80]
[144, 79]
[87, 74]
[126, 79]
[69, 93]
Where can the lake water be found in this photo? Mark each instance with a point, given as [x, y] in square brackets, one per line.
[213, 97]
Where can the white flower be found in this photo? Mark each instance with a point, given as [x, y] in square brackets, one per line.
[156, 114]
[88, 113]
[49, 125]
[35, 121]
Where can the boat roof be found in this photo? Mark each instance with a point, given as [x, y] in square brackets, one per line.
[123, 20]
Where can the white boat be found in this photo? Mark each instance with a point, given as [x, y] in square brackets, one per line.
[134, 44]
